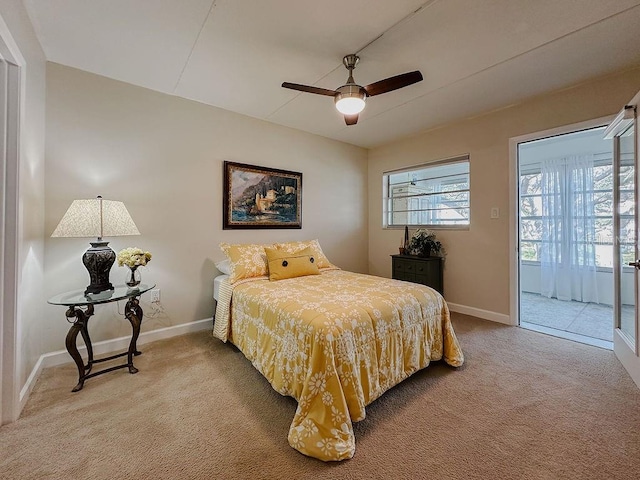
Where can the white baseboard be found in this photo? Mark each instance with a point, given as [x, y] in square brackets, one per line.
[61, 357]
[478, 312]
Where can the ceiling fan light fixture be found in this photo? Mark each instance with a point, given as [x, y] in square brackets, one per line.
[350, 99]
[350, 105]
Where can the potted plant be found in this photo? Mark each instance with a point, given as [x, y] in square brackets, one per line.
[423, 243]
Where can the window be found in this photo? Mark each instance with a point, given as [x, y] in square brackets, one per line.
[431, 195]
[599, 191]
[531, 224]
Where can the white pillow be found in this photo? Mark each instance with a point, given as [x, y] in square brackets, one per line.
[224, 266]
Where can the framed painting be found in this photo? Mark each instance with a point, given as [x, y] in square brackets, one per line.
[261, 197]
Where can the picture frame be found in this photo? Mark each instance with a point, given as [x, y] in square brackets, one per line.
[257, 197]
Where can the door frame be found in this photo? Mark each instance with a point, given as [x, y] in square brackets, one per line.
[11, 105]
[514, 202]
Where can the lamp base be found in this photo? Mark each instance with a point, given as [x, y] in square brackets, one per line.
[98, 261]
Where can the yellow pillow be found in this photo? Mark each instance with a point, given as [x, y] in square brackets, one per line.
[289, 265]
[321, 260]
[247, 260]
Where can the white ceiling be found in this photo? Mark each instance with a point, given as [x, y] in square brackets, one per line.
[475, 55]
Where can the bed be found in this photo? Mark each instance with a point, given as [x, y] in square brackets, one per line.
[335, 341]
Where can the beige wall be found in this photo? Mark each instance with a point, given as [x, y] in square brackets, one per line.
[162, 156]
[30, 319]
[477, 265]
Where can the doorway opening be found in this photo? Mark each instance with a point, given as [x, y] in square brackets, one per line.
[566, 235]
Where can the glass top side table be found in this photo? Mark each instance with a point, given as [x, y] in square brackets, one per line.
[81, 309]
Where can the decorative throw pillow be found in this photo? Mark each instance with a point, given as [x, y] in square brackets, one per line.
[247, 260]
[224, 266]
[321, 260]
[289, 265]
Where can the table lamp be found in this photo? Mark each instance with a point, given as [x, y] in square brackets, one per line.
[99, 218]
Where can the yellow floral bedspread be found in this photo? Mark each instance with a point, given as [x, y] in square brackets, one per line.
[335, 342]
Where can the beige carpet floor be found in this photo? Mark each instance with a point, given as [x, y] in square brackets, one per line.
[524, 406]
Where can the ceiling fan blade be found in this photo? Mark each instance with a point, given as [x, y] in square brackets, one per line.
[309, 89]
[351, 119]
[393, 83]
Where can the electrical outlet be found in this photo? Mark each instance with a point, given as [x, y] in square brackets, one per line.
[495, 212]
[155, 295]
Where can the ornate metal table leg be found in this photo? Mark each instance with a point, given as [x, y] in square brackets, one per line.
[87, 340]
[79, 325]
[133, 312]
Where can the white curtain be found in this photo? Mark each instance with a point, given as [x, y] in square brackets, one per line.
[568, 256]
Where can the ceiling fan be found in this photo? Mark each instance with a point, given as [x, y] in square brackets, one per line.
[350, 97]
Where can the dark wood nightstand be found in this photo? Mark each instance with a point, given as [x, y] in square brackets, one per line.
[424, 270]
